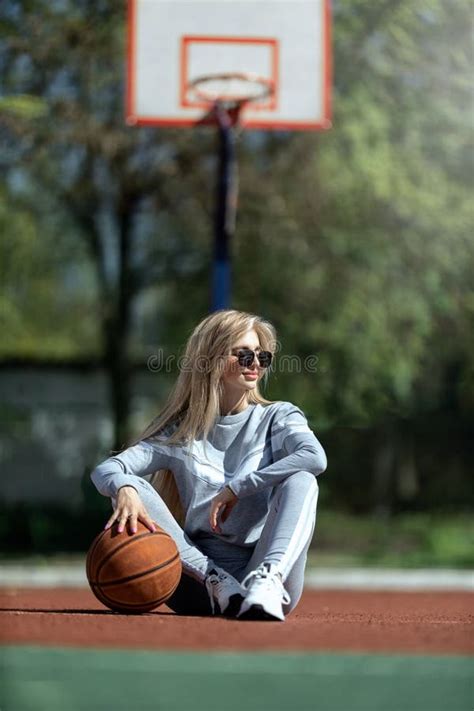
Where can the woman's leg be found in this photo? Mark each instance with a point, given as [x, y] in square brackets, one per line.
[287, 533]
[191, 596]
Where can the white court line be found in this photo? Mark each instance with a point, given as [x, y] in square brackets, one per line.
[384, 579]
[17, 575]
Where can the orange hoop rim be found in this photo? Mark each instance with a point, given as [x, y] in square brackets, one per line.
[262, 88]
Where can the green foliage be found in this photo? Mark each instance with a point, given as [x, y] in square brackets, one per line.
[341, 540]
[95, 187]
[405, 541]
[23, 107]
[44, 306]
[30, 529]
[355, 242]
[367, 228]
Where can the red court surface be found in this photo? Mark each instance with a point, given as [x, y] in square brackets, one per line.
[418, 622]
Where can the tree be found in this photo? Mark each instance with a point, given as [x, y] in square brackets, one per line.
[355, 242]
[81, 170]
[365, 237]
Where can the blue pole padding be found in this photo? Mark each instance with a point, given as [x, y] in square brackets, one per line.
[221, 284]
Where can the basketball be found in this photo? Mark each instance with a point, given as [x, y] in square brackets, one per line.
[133, 572]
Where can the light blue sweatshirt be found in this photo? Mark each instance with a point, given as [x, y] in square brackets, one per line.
[251, 451]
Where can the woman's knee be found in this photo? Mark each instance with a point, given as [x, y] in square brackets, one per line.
[303, 480]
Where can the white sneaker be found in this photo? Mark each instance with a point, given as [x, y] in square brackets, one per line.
[224, 589]
[266, 594]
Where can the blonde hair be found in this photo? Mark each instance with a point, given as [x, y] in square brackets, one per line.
[194, 402]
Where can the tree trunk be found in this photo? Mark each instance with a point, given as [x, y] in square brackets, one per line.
[117, 336]
[119, 377]
[383, 471]
[116, 301]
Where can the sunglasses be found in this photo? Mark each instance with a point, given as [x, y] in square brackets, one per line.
[245, 357]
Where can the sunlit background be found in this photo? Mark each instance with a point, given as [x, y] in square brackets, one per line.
[355, 242]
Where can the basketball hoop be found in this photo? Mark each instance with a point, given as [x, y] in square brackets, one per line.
[229, 66]
[227, 93]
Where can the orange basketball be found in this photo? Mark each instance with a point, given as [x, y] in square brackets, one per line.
[133, 572]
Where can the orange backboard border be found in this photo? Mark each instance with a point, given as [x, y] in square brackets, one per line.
[320, 124]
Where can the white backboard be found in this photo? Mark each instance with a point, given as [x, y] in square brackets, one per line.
[172, 42]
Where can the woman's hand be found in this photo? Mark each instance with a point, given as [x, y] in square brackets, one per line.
[224, 500]
[130, 507]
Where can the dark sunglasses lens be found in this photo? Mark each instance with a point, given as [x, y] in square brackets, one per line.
[246, 358]
[265, 358]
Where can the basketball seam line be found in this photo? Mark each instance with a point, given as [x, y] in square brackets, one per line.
[136, 575]
[127, 542]
[114, 605]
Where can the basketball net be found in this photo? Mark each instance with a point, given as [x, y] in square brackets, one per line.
[227, 95]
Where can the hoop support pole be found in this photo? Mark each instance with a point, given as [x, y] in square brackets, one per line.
[226, 205]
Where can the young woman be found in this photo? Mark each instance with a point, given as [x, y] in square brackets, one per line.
[229, 475]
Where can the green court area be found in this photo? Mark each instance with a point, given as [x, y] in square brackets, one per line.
[60, 679]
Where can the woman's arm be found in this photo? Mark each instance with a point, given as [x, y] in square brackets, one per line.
[126, 468]
[295, 448]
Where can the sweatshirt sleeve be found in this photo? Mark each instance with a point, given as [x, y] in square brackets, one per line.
[126, 468]
[295, 448]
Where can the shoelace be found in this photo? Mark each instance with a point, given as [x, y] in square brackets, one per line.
[265, 573]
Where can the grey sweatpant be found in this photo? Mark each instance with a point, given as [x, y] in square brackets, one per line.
[285, 540]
